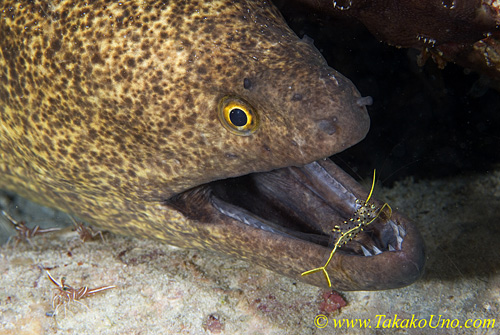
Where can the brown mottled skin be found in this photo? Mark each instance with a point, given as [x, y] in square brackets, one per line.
[108, 110]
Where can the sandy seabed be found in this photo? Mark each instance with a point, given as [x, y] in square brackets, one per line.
[165, 290]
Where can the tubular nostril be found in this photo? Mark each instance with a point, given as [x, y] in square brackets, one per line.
[364, 101]
[328, 125]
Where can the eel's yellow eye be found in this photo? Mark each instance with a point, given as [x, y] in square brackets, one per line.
[238, 116]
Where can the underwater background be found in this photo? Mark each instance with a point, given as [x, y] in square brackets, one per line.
[434, 140]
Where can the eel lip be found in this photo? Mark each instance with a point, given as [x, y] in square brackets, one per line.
[285, 220]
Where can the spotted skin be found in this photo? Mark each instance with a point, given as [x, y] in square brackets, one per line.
[108, 109]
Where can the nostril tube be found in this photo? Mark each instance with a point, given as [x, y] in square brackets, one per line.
[328, 125]
[364, 101]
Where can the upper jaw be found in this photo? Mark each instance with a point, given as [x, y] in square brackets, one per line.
[268, 217]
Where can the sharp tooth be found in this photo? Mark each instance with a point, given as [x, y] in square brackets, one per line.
[395, 228]
[402, 231]
[391, 248]
[366, 252]
[376, 250]
[400, 241]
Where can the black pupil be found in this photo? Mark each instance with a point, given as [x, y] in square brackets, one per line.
[238, 117]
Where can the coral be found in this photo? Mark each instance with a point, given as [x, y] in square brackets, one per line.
[331, 301]
[465, 32]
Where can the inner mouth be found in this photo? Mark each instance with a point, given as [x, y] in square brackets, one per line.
[304, 203]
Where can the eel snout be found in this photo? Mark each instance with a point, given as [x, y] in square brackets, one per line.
[289, 219]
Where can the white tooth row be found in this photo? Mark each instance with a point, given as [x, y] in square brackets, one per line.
[246, 219]
[367, 252]
[399, 231]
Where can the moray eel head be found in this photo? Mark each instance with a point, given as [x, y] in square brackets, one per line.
[201, 124]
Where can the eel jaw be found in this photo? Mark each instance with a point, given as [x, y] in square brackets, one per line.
[283, 220]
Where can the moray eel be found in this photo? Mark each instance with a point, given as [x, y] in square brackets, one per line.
[203, 124]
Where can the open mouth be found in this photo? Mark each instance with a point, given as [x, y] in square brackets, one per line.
[315, 204]
[306, 203]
